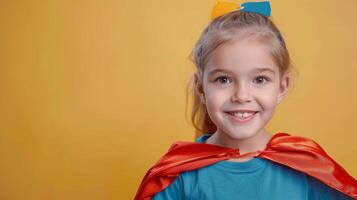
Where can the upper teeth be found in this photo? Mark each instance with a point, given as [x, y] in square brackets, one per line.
[243, 114]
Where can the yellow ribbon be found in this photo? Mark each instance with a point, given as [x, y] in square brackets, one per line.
[222, 8]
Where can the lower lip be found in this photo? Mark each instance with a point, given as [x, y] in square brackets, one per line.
[240, 120]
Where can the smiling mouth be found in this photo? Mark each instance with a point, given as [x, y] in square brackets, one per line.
[243, 113]
[242, 117]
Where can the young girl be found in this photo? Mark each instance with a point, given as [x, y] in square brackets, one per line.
[243, 73]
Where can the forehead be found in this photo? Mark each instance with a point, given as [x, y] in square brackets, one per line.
[242, 57]
[254, 71]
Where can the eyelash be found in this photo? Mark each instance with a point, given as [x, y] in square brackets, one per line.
[220, 78]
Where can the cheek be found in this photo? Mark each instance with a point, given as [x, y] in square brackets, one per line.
[269, 100]
[215, 99]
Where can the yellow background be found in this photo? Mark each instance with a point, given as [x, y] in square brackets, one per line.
[93, 92]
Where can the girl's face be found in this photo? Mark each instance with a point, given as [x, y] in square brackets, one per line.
[241, 89]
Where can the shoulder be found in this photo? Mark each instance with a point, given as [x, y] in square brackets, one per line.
[307, 156]
[292, 178]
[319, 190]
[180, 188]
[187, 182]
[172, 191]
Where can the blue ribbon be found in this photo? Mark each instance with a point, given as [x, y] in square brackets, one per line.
[262, 8]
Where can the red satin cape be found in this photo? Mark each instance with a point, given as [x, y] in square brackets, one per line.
[299, 153]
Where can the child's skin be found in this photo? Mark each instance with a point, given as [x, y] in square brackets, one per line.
[242, 87]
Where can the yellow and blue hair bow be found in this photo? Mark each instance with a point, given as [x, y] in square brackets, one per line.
[222, 8]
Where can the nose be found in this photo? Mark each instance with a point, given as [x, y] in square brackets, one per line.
[241, 93]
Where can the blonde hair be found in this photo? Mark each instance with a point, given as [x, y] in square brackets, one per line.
[233, 26]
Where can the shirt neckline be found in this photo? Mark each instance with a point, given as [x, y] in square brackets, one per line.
[246, 166]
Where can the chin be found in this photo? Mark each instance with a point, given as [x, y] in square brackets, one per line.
[239, 135]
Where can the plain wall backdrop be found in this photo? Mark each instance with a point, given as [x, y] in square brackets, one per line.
[93, 92]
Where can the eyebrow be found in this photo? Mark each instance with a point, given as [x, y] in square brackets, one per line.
[255, 70]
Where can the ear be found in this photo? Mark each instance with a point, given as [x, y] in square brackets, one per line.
[199, 87]
[284, 87]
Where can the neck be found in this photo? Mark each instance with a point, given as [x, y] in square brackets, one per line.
[255, 143]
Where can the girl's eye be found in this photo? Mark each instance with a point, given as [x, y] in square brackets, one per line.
[222, 79]
[260, 79]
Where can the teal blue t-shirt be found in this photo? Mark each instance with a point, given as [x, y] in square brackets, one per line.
[256, 179]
